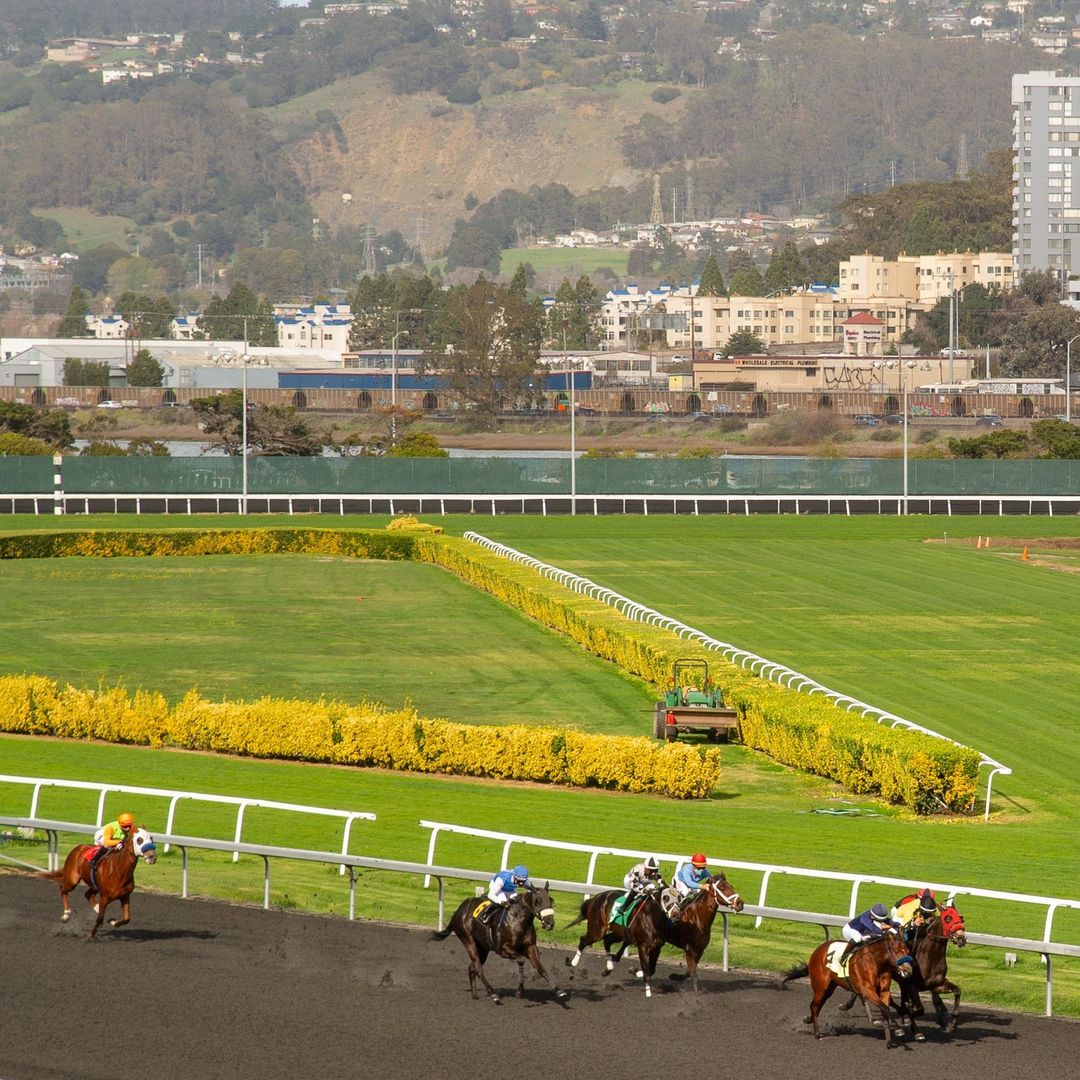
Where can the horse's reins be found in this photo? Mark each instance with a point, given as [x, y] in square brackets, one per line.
[543, 913]
[721, 895]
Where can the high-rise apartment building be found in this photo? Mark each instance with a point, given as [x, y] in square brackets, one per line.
[1046, 142]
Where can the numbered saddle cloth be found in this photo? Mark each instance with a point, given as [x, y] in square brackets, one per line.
[832, 959]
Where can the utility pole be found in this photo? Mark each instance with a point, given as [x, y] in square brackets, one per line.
[199, 252]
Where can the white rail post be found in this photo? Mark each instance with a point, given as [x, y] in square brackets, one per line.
[101, 807]
[170, 817]
[266, 882]
[239, 825]
[431, 854]
[34, 800]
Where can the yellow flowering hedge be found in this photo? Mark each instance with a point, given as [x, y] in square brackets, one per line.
[358, 543]
[806, 731]
[364, 734]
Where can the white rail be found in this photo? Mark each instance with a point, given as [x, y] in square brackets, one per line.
[174, 797]
[54, 829]
[768, 870]
[759, 665]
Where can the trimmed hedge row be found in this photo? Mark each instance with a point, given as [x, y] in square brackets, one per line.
[808, 732]
[359, 543]
[365, 734]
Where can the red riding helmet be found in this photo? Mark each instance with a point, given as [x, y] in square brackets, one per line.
[698, 860]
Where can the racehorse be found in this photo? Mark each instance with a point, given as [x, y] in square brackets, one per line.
[870, 972]
[112, 879]
[928, 949]
[644, 928]
[688, 930]
[513, 936]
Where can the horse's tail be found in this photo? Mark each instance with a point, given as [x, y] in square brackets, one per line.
[52, 875]
[441, 935]
[800, 971]
[582, 915]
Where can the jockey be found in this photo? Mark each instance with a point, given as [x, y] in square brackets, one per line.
[643, 877]
[691, 878]
[504, 887]
[113, 836]
[914, 910]
[869, 925]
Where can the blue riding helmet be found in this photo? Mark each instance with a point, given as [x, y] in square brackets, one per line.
[878, 912]
[520, 875]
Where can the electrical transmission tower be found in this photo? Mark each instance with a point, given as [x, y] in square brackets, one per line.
[657, 215]
[962, 160]
[368, 234]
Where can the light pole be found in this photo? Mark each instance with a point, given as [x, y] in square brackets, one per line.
[393, 386]
[243, 424]
[573, 425]
[1068, 378]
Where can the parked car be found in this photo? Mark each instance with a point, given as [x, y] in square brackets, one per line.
[866, 420]
[989, 421]
[109, 405]
[702, 417]
[895, 418]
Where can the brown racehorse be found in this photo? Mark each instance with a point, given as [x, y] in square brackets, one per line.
[871, 968]
[691, 929]
[928, 949]
[115, 876]
[644, 929]
[513, 936]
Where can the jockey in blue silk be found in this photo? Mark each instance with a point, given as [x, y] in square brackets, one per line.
[869, 925]
[505, 885]
[691, 878]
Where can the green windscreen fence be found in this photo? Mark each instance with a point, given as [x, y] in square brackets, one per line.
[724, 476]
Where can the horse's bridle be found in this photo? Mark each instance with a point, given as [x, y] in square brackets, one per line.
[731, 900]
[543, 914]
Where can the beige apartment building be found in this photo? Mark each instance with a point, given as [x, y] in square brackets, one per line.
[804, 317]
[923, 279]
[895, 292]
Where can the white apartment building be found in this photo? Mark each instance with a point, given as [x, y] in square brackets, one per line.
[623, 314]
[1046, 145]
[313, 326]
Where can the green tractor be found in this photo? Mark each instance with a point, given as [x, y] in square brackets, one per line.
[693, 703]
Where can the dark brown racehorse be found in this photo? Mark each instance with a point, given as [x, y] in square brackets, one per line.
[512, 934]
[691, 929]
[113, 878]
[928, 946]
[644, 929]
[871, 969]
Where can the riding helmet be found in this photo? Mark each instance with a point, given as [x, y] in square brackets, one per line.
[651, 865]
[879, 913]
[927, 905]
[519, 873]
[698, 860]
[125, 820]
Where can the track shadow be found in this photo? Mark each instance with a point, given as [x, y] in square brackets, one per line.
[124, 934]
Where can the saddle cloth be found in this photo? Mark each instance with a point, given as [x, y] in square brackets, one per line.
[90, 852]
[623, 909]
[480, 908]
[832, 959]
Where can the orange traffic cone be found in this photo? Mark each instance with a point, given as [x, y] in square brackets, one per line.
[1024, 555]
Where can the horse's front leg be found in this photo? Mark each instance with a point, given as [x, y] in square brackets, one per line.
[520, 992]
[533, 953]
[477, 956]
[125, 912]
[884, 1003]
[947, 1021]
[99, 907]
[692, 959]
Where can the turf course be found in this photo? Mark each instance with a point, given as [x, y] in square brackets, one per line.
[975, 644]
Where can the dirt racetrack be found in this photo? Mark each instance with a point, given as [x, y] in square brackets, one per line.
[204, 990]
